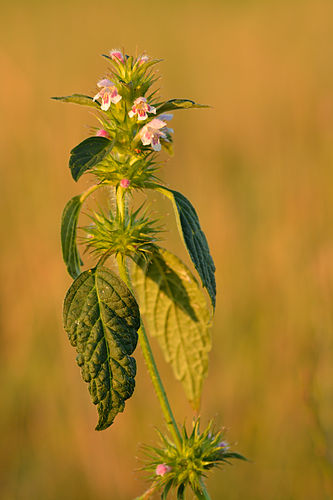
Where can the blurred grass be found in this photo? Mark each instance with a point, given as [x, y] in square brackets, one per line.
[258, 168]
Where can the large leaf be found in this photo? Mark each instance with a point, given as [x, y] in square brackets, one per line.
[194, 239]
[87, 154]
[68, 236]
[101, 318]
[176, 313]
[174, 104]
[83, 100]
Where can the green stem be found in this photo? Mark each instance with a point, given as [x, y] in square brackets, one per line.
[203, 495]
[144, 342]
[89, 191]
[120, 202]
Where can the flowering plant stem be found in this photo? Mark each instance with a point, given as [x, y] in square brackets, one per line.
[144, 342]
[204, 493]
[102, 309]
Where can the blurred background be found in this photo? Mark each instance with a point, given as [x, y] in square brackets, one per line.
[258, 168]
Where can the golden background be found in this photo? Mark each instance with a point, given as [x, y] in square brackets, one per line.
[258, 168]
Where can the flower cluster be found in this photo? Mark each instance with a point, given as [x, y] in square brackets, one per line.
[129, 73]
[108, 233]
[174, 466]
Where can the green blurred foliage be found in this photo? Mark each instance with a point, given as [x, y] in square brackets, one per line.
[258, 168]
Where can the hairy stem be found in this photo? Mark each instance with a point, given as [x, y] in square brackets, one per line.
[89, 191]
[203, 495]
[144, 342]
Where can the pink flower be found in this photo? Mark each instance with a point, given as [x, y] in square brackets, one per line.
[162, 469]
[124, 183]
[108, 94]
[102, 133]
[152, 132]
[141, 108]
[117, 55]
[143, 59]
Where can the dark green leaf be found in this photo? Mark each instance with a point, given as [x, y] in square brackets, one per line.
[101, 318]
[177, 315]
[174, 104]
[87, 154]
[180, 492]
[83, 100]
[234, 455]
[194, 239]
[68, 236]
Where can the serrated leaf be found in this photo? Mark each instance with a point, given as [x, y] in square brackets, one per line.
[101, 318]
[87, 154]
[194, 239]
[68, 236]
[81, 99]
[174, 104]
[177, 315]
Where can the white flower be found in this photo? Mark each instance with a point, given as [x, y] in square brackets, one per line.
[152, 132]
[141, 108]
[108, 94]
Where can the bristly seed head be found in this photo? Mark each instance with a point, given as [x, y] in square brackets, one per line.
[187, 466]
[132, 235]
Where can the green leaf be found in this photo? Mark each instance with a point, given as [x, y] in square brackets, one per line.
[83, 100]
[177, 315]
[174, 104]
[68, 236]
[194, 239]
[180, 492]
[235, 455]
[101, 318]
[87, 154]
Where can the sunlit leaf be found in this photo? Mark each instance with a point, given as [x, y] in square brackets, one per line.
[174, 104]
[83, 100]
[176, 313]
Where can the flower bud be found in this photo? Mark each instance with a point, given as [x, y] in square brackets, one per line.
[102, 133]
[117, 55]
[143, 59]
[162, 469]
[124, 183]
